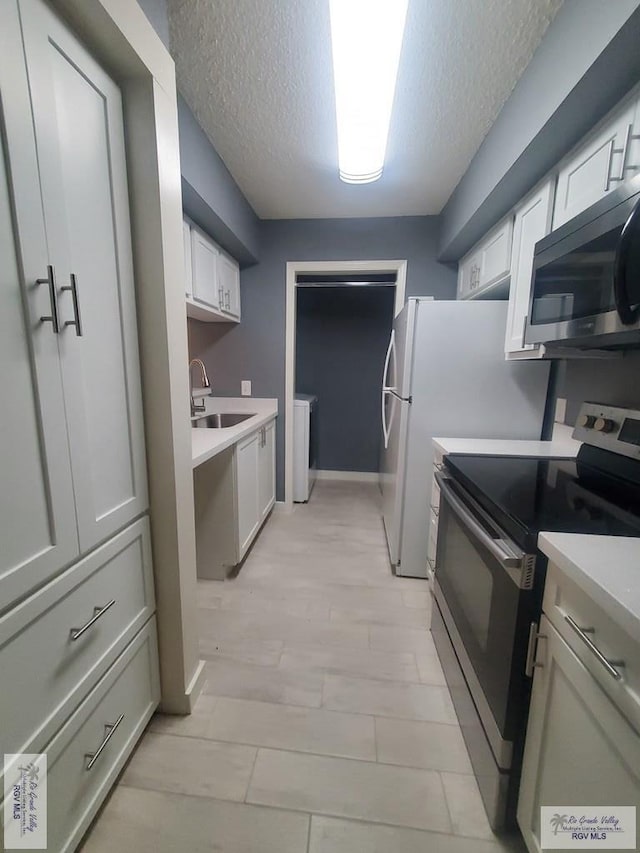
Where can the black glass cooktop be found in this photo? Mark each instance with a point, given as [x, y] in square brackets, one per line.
[598, 493]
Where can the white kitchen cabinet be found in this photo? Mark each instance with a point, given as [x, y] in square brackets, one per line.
[234, 493]
[468, 274]
[247, 490]
[37, 516]
[487, 266]
[212, 278]
[73, 457]
[531, 223]
[580, 750]
[83, 173]
[186, 247]
[204, 266]
[267, 470]
[229, 285]
[608, 156]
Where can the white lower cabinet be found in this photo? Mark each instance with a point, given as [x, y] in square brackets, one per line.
[267, 470]
[247, 491]
[532, 222]
[86, 756]
[234, 492]
[583, 735]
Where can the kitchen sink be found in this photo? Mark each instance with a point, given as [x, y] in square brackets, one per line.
[222, 420]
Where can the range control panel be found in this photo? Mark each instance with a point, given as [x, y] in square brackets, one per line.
[609, 427]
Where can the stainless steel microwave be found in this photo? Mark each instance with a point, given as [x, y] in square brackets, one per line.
[585, 288]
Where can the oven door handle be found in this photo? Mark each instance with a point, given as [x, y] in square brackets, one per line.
[507, 559]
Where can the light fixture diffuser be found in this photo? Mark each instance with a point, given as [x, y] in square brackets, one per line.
[366, 38]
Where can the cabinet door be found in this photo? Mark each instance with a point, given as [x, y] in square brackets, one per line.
[580, 750]
[532, 223]
[229, 285]
[78, 121]
[186, 242]
[468, 275]
[594, 169]
[495, 254]
[247, 454]
[204, 265]
[267, 473]
[38, 532]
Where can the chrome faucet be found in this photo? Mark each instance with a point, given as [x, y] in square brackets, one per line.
[198, 407]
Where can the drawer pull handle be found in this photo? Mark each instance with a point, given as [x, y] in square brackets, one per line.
[609, 665]
[76, 633]
[110, 729]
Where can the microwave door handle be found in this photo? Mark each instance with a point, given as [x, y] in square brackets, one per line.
[506, 559]
[626, 312]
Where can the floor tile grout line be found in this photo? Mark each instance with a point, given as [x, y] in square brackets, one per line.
[253, 770]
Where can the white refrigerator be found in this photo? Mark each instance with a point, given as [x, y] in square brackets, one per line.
[445, 375]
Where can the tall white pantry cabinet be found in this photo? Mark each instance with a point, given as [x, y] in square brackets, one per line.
[76, 585]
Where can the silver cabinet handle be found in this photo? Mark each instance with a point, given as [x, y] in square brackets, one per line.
[73, 287]
[53, 298]
[76, 633]
[609, 665]
[531, 662]
[110, 731]
[227, 300]
[221, 297]
[625, 167]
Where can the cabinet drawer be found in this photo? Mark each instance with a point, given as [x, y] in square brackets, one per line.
[129, 689]
[563, 598]
[49, 670]
[435, 495]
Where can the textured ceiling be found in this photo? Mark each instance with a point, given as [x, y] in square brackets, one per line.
[258, 76]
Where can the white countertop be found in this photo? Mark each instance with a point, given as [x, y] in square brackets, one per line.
[607, 568]
[206, 443]
[561, 446]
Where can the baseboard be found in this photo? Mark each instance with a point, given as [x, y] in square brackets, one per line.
[353, 476]
[196, 684]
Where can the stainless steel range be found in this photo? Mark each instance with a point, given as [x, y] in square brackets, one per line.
[490, 576]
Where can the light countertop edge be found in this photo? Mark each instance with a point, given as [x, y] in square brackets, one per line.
[565, 448]
[607, 568]
[207, 443]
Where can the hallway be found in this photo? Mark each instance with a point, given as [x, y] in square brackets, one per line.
[325, 724]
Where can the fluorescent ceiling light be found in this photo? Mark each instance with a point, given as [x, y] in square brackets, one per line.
[367, 38]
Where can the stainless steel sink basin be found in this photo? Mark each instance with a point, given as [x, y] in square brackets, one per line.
[222, 420]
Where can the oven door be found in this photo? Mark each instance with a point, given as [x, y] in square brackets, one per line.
[586, 278]
[484, 590]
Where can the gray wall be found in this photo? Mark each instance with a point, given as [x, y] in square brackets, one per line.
[255, 349]
[156, 12]
[588, 59]
[211, 196]
[616, 382]
[341, 341]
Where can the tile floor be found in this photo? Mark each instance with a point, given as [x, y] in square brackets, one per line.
[325, 726]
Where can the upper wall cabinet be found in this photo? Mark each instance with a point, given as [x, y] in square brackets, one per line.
[609, 156]
[484, 272]
[531, 223]
[212, 279]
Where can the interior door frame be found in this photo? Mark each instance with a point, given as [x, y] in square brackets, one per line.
[398, 267]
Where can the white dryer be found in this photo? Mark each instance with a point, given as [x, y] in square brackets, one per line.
[305, 432]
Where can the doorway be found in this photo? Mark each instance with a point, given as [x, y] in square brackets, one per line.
[299, 278]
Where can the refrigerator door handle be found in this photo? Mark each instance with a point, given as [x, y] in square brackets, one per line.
[391, 347]
[385, 433]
